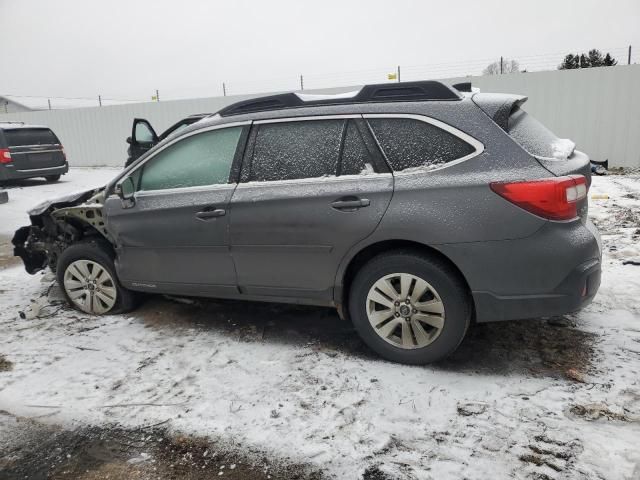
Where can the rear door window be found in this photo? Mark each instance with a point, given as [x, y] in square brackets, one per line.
[413, 144]
[21, 137]
[197, 160]
[296, 150]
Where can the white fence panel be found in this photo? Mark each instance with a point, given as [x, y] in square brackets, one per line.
[598, 108]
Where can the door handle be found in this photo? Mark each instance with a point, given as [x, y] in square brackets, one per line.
[209, 214]
[351, 203]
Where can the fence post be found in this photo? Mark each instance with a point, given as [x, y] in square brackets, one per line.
[224, 90]
[398, 73]
[629, 57]
[301, 83]
[49, 102]
[501, 65]
[99, 100]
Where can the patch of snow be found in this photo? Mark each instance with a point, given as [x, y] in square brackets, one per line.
[341, 409]
[423, 168]
[367, 170]
[309, 97]
[24, 195]
[562, 148]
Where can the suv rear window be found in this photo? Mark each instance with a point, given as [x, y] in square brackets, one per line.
[535, 138]
[409, 143]
[30, 136]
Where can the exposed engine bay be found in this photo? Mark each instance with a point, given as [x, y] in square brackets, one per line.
[56, 224]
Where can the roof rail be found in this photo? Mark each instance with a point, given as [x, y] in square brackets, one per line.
[385, 92]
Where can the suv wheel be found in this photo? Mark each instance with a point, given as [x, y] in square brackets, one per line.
[52, 178]
[86, 273]
[409, 308]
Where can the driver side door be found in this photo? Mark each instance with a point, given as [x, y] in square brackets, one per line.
[172, 234]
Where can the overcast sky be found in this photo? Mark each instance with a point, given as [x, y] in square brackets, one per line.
[128, 48]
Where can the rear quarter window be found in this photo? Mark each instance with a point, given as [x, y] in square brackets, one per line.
[413, 144]
[537, 139]
[20, 137]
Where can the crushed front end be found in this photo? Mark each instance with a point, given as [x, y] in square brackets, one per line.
[57, 224]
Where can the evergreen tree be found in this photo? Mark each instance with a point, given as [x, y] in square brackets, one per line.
[593, 58]
[584, 61]
[570, 62]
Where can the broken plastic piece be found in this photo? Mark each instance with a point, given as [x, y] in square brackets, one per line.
[33, 310]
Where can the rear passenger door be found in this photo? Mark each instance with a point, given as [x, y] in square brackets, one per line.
[310, 189]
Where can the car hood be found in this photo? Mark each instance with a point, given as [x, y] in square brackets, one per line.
[63, 201]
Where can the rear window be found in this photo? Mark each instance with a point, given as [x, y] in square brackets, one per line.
[537, 139]
[30, 136]
[414, 144]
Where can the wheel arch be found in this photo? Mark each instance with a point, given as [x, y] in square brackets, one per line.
[351, 264]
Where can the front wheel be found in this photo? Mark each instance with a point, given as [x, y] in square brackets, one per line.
[86, 273]
[410, 308]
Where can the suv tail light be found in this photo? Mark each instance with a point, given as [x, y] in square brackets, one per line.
[5, 155]
[553, 198]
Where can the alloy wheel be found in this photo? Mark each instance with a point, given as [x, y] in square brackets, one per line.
[405, 310]
[90, 287]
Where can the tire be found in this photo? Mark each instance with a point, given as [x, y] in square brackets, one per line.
[52, 178]
[82, 260]
[434, 324]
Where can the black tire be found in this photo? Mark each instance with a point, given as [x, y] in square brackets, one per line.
[443, 278]
[98, 251]
[52, 178]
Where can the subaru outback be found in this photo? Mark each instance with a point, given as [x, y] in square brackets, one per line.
[412, 208]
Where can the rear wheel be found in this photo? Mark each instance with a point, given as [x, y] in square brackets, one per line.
[410, 308]
[52, 178]
[86, 273]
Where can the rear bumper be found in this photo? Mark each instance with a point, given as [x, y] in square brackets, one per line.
[9, 172]
[576, 292]
[553, 272]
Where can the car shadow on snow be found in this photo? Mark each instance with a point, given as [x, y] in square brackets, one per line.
[554, 348]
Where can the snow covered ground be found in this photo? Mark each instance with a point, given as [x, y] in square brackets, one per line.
[535, 399]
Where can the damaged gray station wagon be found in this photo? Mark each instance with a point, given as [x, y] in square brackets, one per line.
[412, 208]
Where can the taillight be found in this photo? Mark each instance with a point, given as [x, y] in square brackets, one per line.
[5, 155]
[64, 154]
[553, 198]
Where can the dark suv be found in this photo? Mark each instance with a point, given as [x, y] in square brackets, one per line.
[411, 208]
[28, 151]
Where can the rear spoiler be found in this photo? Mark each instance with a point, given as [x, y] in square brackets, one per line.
[499, 106]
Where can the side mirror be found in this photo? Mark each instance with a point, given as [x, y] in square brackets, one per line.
[125, 189]
[129, 140]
